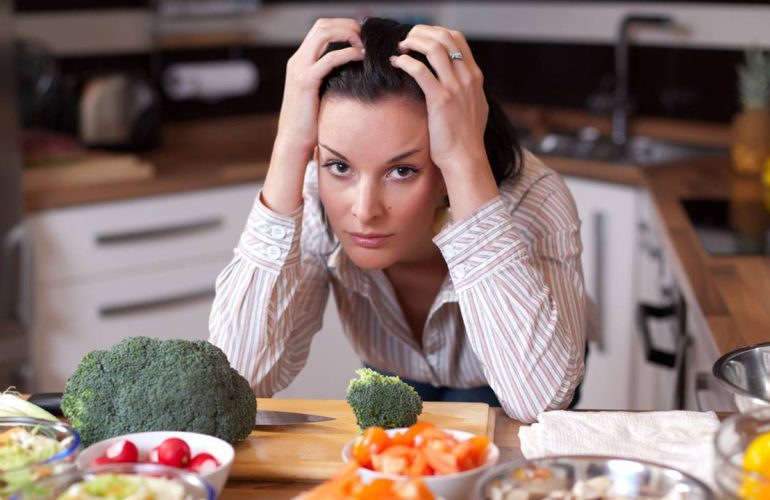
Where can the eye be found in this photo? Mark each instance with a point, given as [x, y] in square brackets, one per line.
[403, 172]
[337, 168]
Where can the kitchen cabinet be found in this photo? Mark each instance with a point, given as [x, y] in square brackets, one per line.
[680, 334]
[608, 214]
[108, 271]
[148, 266]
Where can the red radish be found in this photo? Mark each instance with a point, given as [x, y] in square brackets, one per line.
[173, 452]
[123, 452]
[103, 460]
[203, 463]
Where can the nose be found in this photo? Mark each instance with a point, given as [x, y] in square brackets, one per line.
[368, 202]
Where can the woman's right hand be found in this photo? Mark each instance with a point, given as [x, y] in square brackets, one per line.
[298, 122]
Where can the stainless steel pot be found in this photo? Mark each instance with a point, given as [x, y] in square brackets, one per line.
[746, 373]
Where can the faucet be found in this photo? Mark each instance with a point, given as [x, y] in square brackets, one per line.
[621, 106]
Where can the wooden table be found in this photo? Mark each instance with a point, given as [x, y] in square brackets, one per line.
[506, 438]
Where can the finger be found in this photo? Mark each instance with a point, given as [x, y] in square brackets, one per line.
[430, 86]
[322, 34]
[437, 55]
[441, 40]
[335, 58]
[462, 43]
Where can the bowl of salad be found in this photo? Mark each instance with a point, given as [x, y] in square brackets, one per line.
[448, 461]
[113, 481]
[31, 449]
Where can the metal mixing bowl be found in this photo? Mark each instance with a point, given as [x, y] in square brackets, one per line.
[746, 373]
[625, 478]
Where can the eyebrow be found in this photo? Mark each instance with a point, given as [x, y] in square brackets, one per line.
[394, 159]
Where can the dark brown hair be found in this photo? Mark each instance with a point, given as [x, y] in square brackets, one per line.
[375, 78]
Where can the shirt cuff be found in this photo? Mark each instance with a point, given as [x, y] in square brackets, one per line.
[480, 243]
[270, 239]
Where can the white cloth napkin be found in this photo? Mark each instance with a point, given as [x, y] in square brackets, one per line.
[679, 439]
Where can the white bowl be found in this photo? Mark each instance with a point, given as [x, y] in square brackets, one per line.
[451, 486]
[146, 441]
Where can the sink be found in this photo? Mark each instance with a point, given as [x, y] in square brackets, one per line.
[641, 151]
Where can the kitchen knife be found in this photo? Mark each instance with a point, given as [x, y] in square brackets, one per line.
[277, 418]
[51, 401]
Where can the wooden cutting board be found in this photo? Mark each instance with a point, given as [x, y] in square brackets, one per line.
[313, 451]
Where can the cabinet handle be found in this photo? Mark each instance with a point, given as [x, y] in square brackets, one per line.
[142, 306]
[702, 383]
[16, 286]
[599, 262]
[652, 353]
[158, 232]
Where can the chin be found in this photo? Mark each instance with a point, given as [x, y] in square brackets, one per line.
[370, 259]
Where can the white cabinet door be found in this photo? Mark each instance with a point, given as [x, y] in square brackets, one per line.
[104, 240]
[653, 386]
[608, 232]
[72, 320]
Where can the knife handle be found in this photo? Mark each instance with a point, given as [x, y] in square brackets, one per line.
[49, 401]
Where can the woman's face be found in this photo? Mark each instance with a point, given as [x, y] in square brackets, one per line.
[377, 182]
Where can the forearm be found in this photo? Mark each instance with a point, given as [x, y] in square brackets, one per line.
[282, 190]
[470, 185]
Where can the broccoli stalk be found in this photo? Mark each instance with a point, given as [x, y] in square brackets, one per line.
[379, 400]
[145, 384]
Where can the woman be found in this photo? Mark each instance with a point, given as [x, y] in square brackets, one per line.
[487, 304]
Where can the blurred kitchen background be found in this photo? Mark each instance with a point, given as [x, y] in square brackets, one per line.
[134, 135]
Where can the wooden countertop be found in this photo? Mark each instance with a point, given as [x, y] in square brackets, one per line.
[506, 438]
[199, 154]
[731, 291]
[195, 155]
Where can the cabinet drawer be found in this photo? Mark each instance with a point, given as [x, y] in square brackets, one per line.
[72, 320]
[100, 240]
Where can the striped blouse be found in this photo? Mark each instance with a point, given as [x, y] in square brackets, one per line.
[509, 314]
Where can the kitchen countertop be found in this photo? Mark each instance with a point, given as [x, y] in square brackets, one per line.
[506, 438]
[201, 154]
[731, 291]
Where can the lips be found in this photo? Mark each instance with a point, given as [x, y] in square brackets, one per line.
[369, 240]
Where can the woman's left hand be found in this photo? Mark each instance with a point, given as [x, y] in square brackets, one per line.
[457, 113]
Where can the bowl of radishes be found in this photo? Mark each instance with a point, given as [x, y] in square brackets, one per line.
[207, 456]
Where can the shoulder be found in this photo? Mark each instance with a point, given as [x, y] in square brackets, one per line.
[539, 193]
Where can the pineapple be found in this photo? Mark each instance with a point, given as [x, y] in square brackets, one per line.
[751, 128]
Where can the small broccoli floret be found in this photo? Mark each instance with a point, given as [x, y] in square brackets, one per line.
[379, 400]
[145, 384]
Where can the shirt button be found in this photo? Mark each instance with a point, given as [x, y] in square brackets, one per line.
[274, 253]
[460, 271]
[278, 232]
[450, 251]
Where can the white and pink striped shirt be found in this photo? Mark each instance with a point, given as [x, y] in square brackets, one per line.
[510, 314]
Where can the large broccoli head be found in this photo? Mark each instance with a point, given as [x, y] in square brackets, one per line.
[145, 384]
[380, 400]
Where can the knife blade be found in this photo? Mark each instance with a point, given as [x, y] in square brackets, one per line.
[279, 418]
[51, 401]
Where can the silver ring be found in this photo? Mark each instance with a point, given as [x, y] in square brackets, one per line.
[456, 55]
